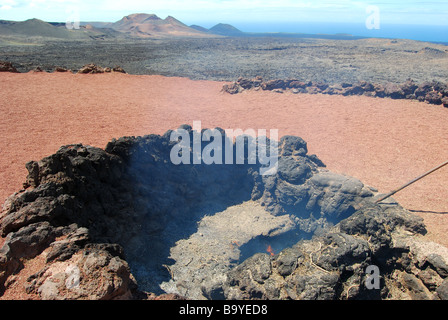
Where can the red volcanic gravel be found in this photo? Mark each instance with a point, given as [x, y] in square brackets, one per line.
[383, 142]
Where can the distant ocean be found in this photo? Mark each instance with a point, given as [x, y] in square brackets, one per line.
[413, 32]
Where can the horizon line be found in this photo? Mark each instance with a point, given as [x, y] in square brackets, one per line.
[415, 23]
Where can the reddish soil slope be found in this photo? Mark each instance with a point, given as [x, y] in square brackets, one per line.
[383, 142]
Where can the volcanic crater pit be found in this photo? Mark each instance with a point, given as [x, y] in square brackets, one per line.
[131, 221]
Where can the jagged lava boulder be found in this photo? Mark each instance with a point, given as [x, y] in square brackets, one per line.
[6, 66]
[93, 69]
[431, 92]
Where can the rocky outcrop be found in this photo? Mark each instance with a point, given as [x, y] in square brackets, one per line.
[6, 66]
[39, 222]
[104, 223]
[88, 68]
[61, 69]
[92, 69]
[430, 92]
[445, 102]
[334, 265]
[118, 69]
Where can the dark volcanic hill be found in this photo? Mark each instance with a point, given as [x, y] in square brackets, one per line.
[199, 28]
[226, 30]
[39, 28]
[221, 29]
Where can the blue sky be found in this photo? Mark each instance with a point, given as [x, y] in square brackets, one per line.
[209, 12]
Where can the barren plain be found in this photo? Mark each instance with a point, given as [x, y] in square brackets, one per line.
[226, 59]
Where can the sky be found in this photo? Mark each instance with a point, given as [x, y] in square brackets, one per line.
[242, 12]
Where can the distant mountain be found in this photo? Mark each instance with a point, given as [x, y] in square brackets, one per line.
[54, 30]
[174, 21]
[226, 30]
[220, 29]
[151, 26]
[199, 28]
[97, 24]
[137, 25]
[32, 27]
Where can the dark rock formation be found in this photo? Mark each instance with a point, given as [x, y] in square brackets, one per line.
[431, 92]
[92, 68]
[333, 265]
[434, 97]
[273, 84]
[354, 90]
[409, 88]
[394, 91]
[445, 102]
[231, 88]
[6, 66]
[61, 69]
[104, 222]
[117, 69]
